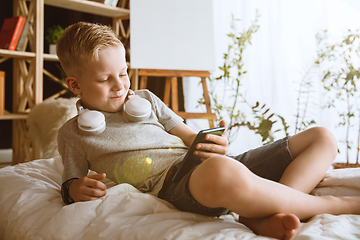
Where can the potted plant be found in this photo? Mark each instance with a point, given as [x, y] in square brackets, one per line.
[52, 35]
[340, 80]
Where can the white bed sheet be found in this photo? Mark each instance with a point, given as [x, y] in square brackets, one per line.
[31, 208]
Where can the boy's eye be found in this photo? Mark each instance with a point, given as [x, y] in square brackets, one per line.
[102, 81]
[123, 75]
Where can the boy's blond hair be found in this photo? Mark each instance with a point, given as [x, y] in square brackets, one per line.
[81, 42]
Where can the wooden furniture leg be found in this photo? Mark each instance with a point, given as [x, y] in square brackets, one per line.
[174, 95]
[167, 91]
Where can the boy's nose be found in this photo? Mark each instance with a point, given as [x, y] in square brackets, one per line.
[118, 85]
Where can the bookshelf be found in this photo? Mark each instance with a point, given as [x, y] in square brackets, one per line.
[28, 67]
[90, 7]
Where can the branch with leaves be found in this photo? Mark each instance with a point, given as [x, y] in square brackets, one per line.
[341, 79]
[258, 117]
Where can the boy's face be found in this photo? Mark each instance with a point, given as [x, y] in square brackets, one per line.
[104, 84]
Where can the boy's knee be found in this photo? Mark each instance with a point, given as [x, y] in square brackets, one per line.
[218, 175]
[326, 137]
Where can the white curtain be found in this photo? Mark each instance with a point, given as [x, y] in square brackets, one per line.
[282, 51]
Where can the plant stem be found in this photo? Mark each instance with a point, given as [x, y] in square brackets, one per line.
[348, 126]
[358, 145]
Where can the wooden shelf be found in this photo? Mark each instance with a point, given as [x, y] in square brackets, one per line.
[20, 54]
[16, 54]
[90, 7]
[13, 116]
[50, 57]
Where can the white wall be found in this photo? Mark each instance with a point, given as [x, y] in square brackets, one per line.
[172, 34]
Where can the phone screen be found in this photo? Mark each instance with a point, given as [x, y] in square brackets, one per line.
[200, 138]
[190, 160]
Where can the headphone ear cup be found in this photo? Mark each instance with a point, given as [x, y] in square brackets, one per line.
[91, 122]
[137, 109]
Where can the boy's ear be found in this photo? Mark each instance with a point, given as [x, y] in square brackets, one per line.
[73, 85]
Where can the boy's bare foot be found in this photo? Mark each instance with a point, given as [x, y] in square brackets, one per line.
[280, 226]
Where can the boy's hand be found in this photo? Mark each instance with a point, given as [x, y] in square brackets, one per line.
[87, 188]
[220, 145]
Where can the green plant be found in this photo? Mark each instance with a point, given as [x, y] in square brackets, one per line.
[258, 117]
[303, 100]
[341, 79]
[53, 34]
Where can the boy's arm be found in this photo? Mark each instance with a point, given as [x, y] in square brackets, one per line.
[77, 186]
[188, 136]
[182, 131]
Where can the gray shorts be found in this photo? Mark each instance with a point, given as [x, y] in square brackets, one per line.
[269, 161]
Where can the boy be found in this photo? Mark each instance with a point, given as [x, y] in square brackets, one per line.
[268, 187]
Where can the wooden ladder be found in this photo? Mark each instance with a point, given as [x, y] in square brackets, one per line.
[171, 90]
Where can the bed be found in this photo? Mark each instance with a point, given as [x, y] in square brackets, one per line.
[31, 208]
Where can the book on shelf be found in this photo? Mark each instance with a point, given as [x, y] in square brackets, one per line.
[112, 3]
[21, 46]
[2, 92]
[10, 32]
[99, 1]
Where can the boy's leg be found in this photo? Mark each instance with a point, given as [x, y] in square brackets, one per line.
[225, 182]
[313, 151]
[299, 162]
[264, 203]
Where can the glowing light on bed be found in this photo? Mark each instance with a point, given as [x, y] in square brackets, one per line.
[148, 160]
[134, 170]
[170, 149]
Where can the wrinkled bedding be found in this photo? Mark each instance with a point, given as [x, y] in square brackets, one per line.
[31, 208]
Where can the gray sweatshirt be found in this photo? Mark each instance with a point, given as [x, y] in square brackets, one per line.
[138, 153]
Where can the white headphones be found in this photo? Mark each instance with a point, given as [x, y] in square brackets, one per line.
[91, 122]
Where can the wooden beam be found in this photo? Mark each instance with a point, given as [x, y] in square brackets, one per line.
[173, 73]
[39, 61]
[191, 115]
[2, 92]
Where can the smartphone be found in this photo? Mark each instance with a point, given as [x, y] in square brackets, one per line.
[190, 160]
